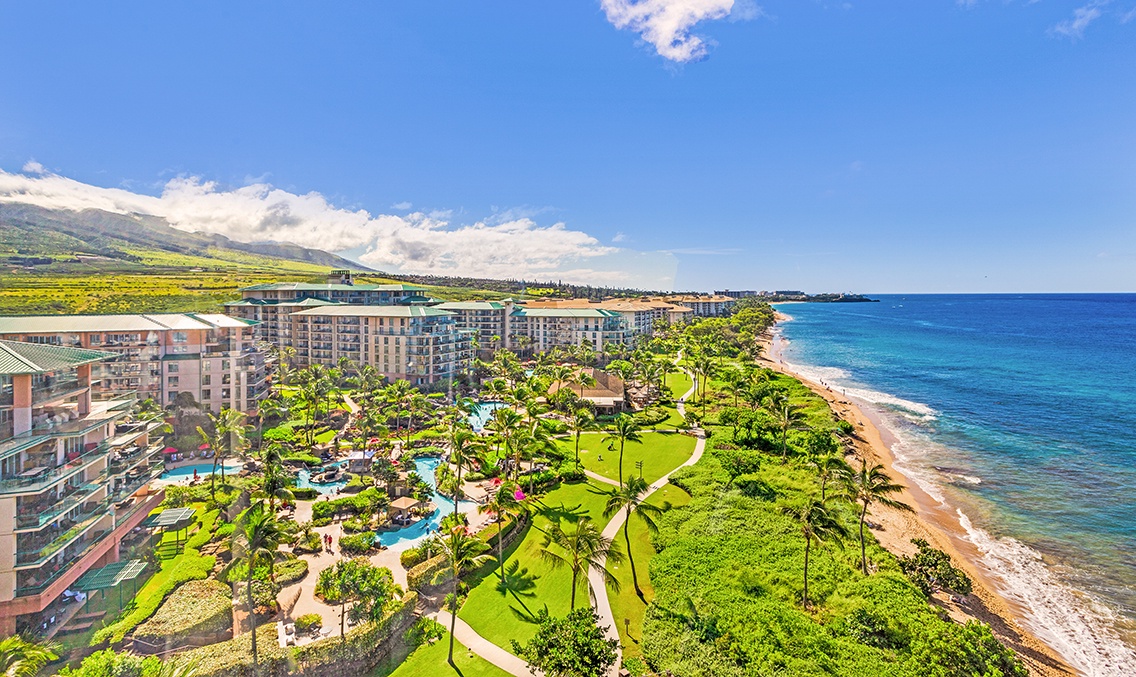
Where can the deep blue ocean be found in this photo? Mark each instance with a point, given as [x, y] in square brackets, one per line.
[1018, 412]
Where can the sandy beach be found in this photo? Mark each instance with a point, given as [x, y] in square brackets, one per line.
[933, 522]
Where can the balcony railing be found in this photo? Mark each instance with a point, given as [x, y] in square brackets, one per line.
[53, 476]
[83, 522]
[38, 519]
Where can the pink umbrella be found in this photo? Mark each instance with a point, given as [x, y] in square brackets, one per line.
[496, 481]
[203, 447]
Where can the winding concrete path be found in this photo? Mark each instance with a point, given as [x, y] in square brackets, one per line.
[595, 579]
[483, 647]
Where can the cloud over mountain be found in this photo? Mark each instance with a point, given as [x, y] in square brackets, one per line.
[417, 242]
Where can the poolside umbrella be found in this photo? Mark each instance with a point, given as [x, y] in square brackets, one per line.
[496, 481]
[169, 450]
[203, 447]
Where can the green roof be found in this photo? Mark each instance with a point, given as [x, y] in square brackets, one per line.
[564, 312]
[176, 518]
[306, 303]
[36, 358]
[471, 305]
[375, 311]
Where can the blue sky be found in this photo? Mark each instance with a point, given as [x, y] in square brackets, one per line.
[874, 147]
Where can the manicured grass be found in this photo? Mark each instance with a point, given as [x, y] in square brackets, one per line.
[672, 421]
[679, 384]
[503, 614]
[626, 604]
[660, 453]
[325, 437]
[430, 659]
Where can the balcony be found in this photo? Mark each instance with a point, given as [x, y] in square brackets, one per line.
[36, 518]
[43, 479]
[82, 523]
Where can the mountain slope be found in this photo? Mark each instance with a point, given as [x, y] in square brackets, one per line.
[27, 231]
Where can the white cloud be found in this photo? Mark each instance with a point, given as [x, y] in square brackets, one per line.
[1074, 27]
[619, 237]
[414, 242]
[401, 206]
[667, 24]
[33, 167]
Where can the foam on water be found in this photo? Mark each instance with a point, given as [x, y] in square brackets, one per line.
[1076, 625]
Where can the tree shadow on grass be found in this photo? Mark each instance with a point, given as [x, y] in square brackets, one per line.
[518, 583]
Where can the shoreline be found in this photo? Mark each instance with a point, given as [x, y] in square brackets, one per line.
[932, 521]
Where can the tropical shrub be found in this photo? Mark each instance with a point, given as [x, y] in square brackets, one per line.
[305, 493]
[196, 608]
[357, 544]
[932, 570]
[307, 622]
[108, 663]
[411, 557]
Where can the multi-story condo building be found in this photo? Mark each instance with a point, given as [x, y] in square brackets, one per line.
[416, 343]
[738, 293]
[549, 327]
[702, 305]
[74, 477]
[213, 357]
[486, 320]
[270, 305]
[641, 314]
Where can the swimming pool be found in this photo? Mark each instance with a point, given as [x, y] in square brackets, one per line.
[185, 472]
[408, 537]
[304, 479]
[482, 412]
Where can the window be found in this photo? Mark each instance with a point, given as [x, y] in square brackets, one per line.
[172, 368]
[173, 382]
[180, 337]
[224, 365]
[206, 365]
[206, 380]
[206, 394]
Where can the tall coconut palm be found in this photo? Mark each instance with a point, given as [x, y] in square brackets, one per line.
[626, 430]
[817, 524]
[828, 469]
[582, 420]
[229, 437]
[21, 657]
[463, 552]
[787, 417]
[581, 549]
[257, 536]
[507, 424]
[277, 485]
[869, 486]
[501, 505]
[631, 498]
[464, 445]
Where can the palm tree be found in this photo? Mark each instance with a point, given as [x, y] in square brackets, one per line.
[463, 449]
[506, 423]
[788, 417]
[626, 430]
[502, 504]
[463, 552]
[829, 468]
[272, 406]
[21, 657]
[582, 549]
[632, 499]
[256, 540]
[582, 420]
[277, 485]
[818, 524]
[228, 436]
[872, 485]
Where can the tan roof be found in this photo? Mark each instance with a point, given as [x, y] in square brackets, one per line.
[405, 503]
[607, 386]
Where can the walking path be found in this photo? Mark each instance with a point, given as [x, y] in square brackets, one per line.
[483, 647]
[596, 579]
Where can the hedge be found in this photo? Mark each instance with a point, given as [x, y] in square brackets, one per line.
[305, 493]
[308, 621]
[365, 501]
[357, 544]
[365, 646]
[434, 571]
[197, 608]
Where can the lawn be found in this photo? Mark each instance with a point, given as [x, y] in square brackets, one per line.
[430, 659]
[626, 606]
[500, 614]
[679, 384]
[660, 453]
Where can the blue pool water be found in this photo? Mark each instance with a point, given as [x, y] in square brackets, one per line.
[203, 470]
[482, 412]
[304, 479]
[408, 537]
[1017, 413]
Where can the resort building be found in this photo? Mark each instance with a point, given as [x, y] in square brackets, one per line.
[416, 343]
[270, 305]
[542, 329]
[640, 314]
[606, 392]
[213, 357]
[488, 321]
[739, 294]
[702, 305]
[74, 478]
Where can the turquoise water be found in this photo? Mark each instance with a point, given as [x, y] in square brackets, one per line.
[304, 479]
[1018, 412]
[482, 412]
[203, 470]
[408, 537]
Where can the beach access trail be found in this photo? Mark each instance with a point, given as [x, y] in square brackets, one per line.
[933, 521]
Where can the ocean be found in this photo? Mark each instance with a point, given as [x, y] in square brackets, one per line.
[1019, 413]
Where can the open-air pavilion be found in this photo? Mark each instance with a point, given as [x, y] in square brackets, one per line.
[174, 520]
[111, 576]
